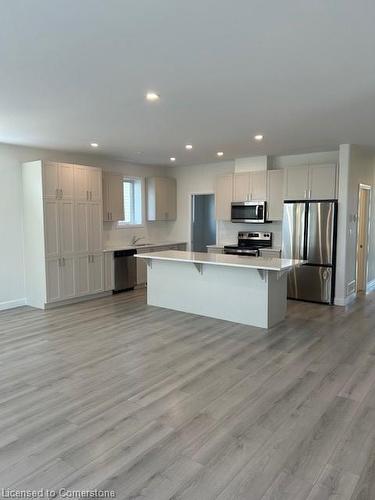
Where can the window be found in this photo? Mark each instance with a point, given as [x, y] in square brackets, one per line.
[132, 189]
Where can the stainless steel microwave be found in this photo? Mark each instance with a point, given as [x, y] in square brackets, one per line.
[249, 211]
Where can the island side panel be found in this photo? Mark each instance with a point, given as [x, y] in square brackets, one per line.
[235, 294]
[277, 297]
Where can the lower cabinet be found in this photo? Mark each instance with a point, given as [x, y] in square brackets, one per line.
[61, 278]
[90, 274]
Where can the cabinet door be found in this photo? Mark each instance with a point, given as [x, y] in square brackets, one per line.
[81, 183]
[96, 273]
[68, 285]
[109, 271]
[296, 183]
[82, 224]
[66, 225]
[66, 181]
[275, 198]
[95, 183]
[53, 280]
[51, 228]
[50, 180]
[95, 228]
[141, 271]
[223, 197]
[172, 199]
[241, 187]
[258, 182]
[161, 198]
[116, 197]
[322, 180]
[82, 275]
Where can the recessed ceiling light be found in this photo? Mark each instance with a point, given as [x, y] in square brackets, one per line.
[152, 96]
[258, 137]
[94, 144]
[172, 158]
[189, 146]
[219, 153]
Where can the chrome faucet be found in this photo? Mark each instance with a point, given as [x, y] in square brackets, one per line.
[136, 239]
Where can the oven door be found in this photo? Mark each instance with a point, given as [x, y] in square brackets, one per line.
[248, 211]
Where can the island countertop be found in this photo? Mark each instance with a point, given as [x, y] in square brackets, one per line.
[261, 263]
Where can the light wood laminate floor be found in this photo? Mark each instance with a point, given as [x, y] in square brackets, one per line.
[156, 404]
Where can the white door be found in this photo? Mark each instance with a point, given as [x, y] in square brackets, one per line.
[66, 223]
[223, 197]
[322, 180]
[95, 183]
[259, 185]
[50, 181]
[82, 275]
[241, 187]
[51, 228]
[81, 183]
[95, 228]
[82, 225]
[96, 276]
[68, 285]
[53, 279]
[275, 197]
[66, 181]
[296, 183]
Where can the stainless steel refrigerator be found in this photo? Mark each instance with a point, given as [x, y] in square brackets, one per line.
[310, 233]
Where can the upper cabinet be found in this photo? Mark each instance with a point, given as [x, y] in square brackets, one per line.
[249, 186]
[58, 181]
[113, 197]
[315, 182]
[88, 183]
[161, 199]
[275, 195]
[223, 197]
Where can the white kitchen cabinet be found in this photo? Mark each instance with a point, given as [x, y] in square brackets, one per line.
[322, 182]
[113, 197]
[58, 181]
[241, 186]
[161, 199]
[314, 182]
[109, 271]
[275, 195]
[141, 272]
[223, 197]
[296, 183]
[96, 273]
[249, 186]
[63, 240]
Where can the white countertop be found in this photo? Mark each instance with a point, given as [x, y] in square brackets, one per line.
[117, 247]
[262, 263]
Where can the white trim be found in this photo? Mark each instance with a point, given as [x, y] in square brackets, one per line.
[370, 286]
[345, 301]
[11, 304]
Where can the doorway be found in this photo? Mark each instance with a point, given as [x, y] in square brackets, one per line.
[362, 236]
[203, 223]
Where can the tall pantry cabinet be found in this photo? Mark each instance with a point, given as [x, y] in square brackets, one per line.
[62, 231]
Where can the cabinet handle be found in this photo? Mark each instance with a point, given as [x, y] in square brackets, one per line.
[57, 193]
[59, 261]
[87, 195]
[90, 195]
[61, 194]
[310, 194]
[63, 259]
[111, 215]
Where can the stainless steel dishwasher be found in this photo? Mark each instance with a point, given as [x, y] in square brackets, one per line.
[125, 270]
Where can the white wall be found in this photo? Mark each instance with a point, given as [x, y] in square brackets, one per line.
[357, 166]
[12, 286]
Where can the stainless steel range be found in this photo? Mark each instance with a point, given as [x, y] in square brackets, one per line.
[249, 243]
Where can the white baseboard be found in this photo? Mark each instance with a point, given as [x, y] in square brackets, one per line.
[339, 301]
[11, 304]
[370, 286]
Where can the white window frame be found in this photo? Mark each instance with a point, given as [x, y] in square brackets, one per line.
[125, 225]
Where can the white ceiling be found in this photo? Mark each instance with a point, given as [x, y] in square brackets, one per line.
[302, 72]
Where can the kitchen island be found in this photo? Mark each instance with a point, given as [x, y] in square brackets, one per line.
[247, 290]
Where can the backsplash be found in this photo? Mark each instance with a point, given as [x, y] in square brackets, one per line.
[227, 231]
[150, 232]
